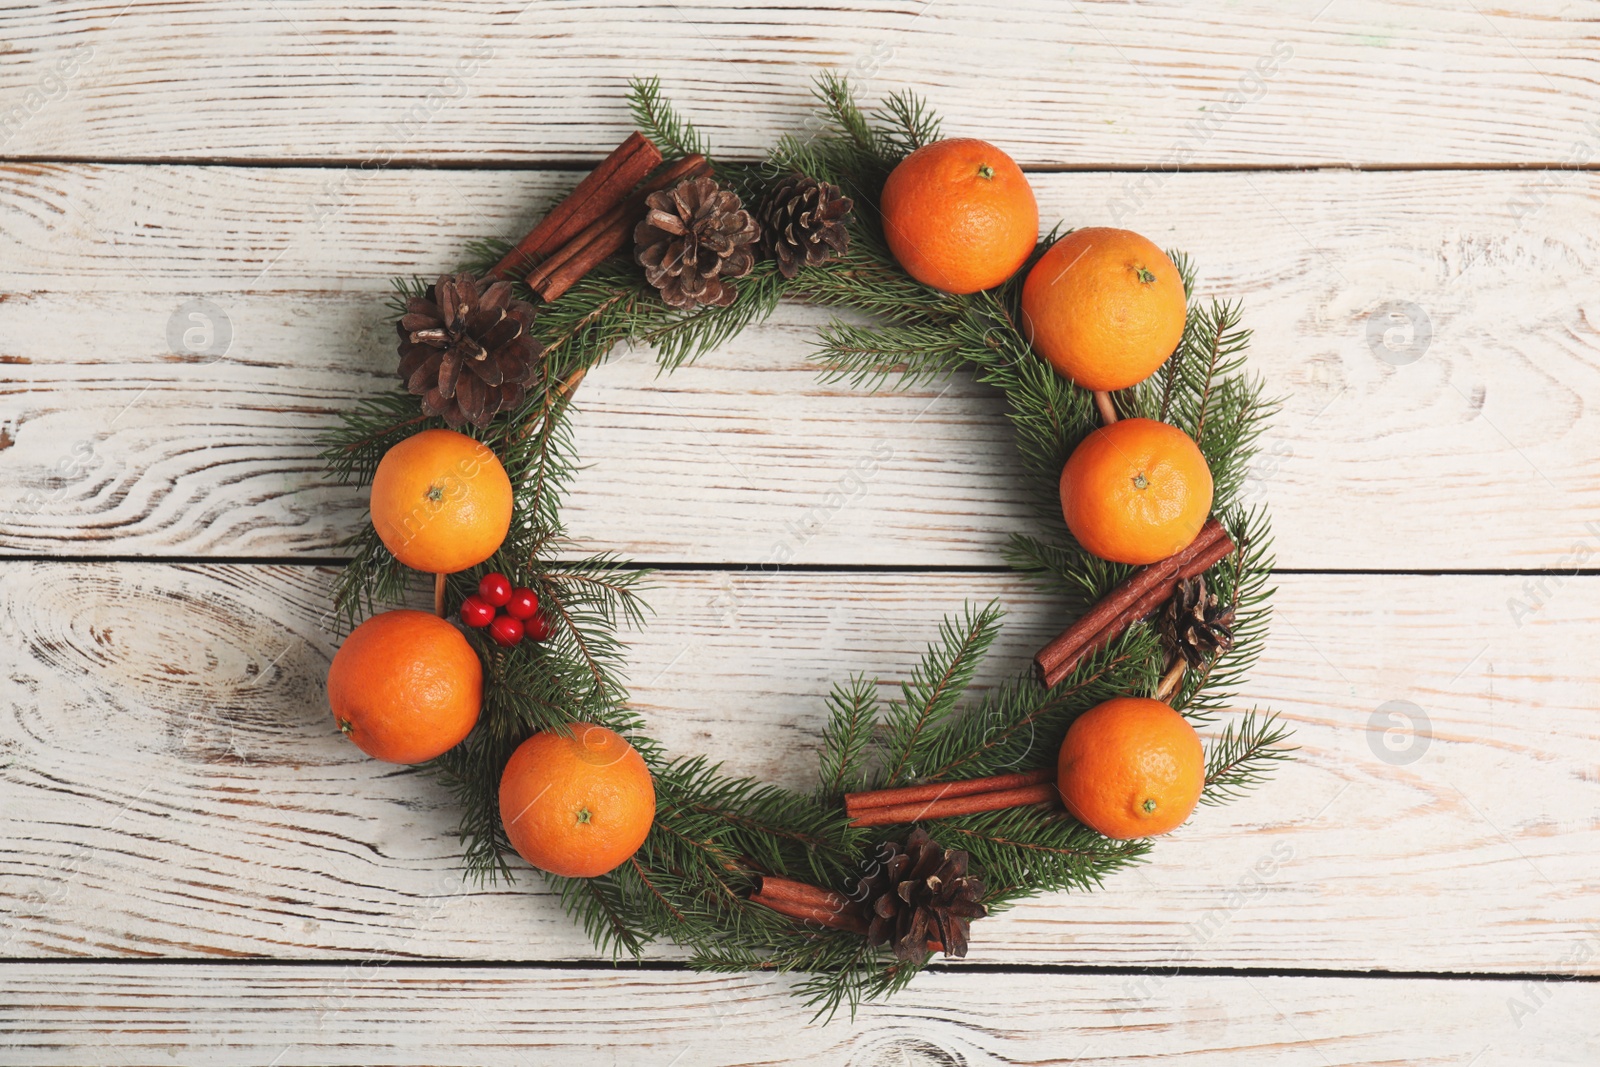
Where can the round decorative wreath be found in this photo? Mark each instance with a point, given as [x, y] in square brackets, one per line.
[661, 245]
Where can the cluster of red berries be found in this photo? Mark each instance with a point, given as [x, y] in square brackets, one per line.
[510, 614]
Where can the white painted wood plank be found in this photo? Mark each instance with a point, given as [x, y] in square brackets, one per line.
[1100, 83]
[173, 784]
[1484, 452]
[216, 1016]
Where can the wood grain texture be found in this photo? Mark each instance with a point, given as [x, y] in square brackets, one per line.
[174, 786]
[1479, 407]
[1095, 83]
[325, 1016]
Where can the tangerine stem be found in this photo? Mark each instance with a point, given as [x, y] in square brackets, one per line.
[1108, 410]
[438, 595]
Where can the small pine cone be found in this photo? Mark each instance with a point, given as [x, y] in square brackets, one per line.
[466, 349]
[693, 240]
[803, 223]
[1194, 625]
[921, 894]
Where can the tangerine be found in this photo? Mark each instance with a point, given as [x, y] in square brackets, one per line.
[959, 215]
[1131, 767]
[578, 803]
[1136, 491]
[441, 501]
[1104, 307]
[405, 686]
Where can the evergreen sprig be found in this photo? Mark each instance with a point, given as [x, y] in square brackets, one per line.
[714, 833]
[658, 120]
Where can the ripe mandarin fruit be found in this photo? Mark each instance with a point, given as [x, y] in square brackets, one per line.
[405, 686]
[959, 215]
[441, 502]
[1104, 307]
[577, 804]
[1131, 767]
[1136, 491]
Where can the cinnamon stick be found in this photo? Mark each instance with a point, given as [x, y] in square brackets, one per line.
[948, 807]
[809, 903]
[857, 803]
[601, 190]
[1118, 601]
[561, 256]
[616, 215]
[606, 235]
[1206, 558]
[822, 916]
[1140, 594]
[777, 887]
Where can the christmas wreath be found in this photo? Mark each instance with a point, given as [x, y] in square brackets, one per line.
[1134, 420]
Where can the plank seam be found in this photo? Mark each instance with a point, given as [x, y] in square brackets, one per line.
[688, 566]
[585, 165]
[677, 967]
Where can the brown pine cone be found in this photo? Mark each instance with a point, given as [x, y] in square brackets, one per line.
[466, 350]
[921, 894]
[693, 240]
[1194, 625]
[803, 223]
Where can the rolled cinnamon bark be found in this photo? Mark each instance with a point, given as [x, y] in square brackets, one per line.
[601, 190]
[948, 807]
[607, 235]
[857, 803]
[1136, 597]
[809, 903]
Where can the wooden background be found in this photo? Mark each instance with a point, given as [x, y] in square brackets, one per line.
[195, 868]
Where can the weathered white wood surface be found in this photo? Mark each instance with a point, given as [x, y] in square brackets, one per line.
[174, 786]
[1095, 83]
[123, 443]
[169, 781]
[60, 1015]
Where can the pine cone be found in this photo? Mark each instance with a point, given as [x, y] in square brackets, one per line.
[694, 239]
[802, 223]
[1194, 625]
[465, 348]
[920, 894]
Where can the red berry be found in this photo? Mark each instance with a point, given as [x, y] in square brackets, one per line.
[538, 627]
[477, 612]
[523, 603]
[505, 630]
[494, 588]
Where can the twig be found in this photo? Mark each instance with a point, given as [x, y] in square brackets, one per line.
[1170, 681]
[1108, 410]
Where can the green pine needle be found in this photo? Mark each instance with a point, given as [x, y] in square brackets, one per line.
[1244, 756]
[658, 120]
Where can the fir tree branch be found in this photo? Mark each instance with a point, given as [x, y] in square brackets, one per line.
[847, 737]
[1021, 725]
[658, 120]
[1244, 757]
[645, 878]
[930, 695]
[909, 124]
